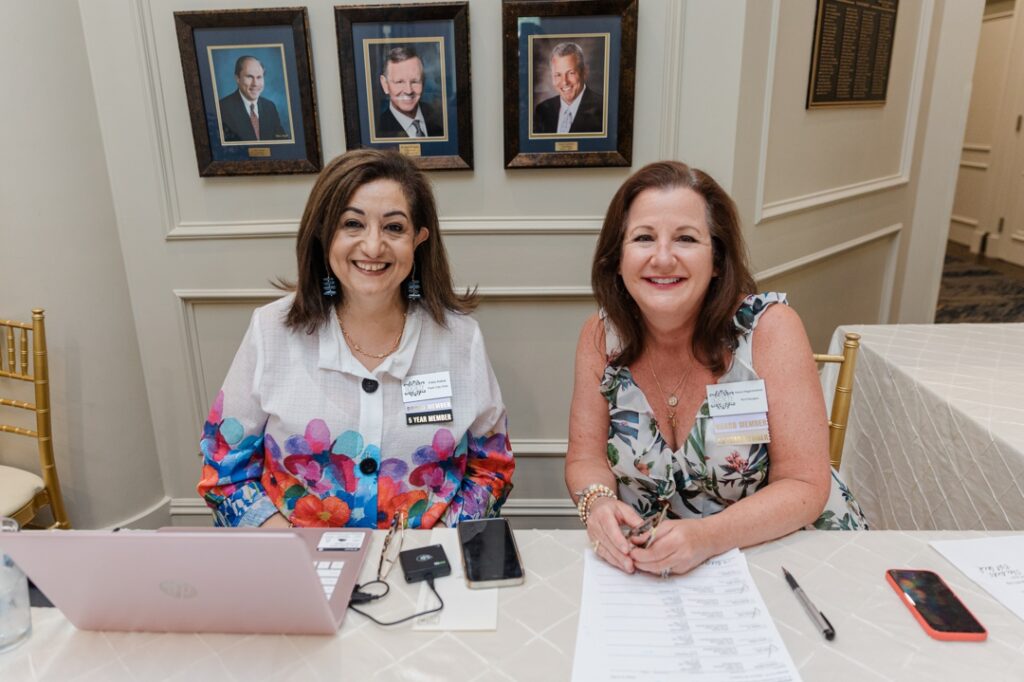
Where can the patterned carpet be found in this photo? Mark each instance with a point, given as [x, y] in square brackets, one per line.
[979, 291]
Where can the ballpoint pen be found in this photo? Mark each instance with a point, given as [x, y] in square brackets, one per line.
[648, 524]
[819, 619]
[639, 530]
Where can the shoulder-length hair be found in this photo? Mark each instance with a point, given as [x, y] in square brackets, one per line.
[331, 193]
[714, 335]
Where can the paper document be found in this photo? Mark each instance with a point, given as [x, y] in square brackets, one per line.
[997, 564]
[464, 609]
[710, 624]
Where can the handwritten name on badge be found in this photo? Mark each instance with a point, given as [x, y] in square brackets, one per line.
[736, 398]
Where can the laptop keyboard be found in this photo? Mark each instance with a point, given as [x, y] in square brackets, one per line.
[329, 572]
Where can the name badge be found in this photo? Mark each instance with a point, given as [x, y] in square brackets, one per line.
[428, 398]
[736, 398]
[739, 412]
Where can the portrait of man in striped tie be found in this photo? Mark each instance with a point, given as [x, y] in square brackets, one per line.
[406, 112]
[245, 114]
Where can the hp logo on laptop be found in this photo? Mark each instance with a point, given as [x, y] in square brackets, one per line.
[178, 590]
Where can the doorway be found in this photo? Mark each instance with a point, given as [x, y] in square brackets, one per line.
[983, 274]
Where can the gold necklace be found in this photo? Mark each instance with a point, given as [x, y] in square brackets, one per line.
[375, 356]
[672, 401]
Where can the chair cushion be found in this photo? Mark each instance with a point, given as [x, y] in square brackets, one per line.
[17, 488]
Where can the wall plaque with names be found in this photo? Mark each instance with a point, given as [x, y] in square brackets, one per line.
[852, 53]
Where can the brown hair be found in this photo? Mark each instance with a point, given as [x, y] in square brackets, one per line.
[714, 334]
[331, 193]
[240, 63]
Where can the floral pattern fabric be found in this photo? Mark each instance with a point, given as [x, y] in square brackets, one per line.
[701, 478]
[294, 430]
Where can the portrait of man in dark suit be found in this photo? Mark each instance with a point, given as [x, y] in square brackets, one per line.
[406, 113]
[245, 116]
[578, 107]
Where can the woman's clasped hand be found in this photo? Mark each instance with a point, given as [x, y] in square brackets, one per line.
[669, 547]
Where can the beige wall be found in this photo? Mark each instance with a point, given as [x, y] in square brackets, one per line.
[823, 189]
[59, 250]
[822, 186]
[832, 200]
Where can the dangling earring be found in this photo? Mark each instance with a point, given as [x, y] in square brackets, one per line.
[412, 290]
[329, 286]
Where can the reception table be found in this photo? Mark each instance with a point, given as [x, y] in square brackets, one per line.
[936, 432]
[843, 572]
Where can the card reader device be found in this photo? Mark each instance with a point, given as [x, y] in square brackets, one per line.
[424, 562]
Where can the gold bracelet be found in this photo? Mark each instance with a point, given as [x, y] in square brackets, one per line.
[590, 502]
[586, 497]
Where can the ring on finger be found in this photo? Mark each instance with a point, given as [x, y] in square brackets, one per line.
[597, 546]
[665, 573]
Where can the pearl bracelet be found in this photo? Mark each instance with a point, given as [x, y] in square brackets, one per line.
[586, 497]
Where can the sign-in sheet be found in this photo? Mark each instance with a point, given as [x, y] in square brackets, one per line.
[710, 624]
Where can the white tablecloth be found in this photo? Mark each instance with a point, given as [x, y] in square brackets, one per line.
[936, 433]
[843, 572]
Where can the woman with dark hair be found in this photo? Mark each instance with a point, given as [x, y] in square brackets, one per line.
[367, 391]
[664, 479]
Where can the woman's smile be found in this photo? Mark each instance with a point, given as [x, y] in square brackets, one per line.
[663, 282]
[371, 267]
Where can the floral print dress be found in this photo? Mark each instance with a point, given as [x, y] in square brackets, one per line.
[301, 428]
[701, 478]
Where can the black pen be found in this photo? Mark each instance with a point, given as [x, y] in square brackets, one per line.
[819, 619]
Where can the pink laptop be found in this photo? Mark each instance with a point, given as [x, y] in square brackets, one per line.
[295, 581]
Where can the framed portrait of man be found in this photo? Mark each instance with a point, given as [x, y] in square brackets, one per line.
[250, 87]
[569, 86]
[249, 84]
[569, 82]
[405, 81]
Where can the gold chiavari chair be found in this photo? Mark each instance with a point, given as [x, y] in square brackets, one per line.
[23, 493]
[840, 416]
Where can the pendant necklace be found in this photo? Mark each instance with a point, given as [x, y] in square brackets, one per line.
[673, 400]
[376, 356]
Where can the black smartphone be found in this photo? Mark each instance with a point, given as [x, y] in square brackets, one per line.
[936, 608]
[489, 553]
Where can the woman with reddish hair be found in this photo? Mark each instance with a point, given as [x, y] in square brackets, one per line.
[664, 471]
